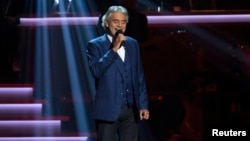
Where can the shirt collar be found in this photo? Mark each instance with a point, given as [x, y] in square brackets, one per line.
[110, 38]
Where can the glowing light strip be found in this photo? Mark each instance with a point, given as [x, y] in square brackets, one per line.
[23, 109]
[30, 126]
[25, 123]
[199, 19]
[151, 19]
[3, 106]
[43, 138]
[58, 21]
[13, 92]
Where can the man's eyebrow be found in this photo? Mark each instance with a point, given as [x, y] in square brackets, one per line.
[118, 20]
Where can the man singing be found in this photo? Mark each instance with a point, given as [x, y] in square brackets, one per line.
[121, 95]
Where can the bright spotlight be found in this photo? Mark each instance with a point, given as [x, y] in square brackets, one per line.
[56, 1]
[69, 5]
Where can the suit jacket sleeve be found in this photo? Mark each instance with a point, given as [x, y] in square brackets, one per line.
[143, 98]
[100, 58]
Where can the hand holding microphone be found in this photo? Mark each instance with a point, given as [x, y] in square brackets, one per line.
[118, 40]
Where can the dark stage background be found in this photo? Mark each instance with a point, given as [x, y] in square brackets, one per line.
[197, 74]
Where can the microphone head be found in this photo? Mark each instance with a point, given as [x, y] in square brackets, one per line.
[119, 31]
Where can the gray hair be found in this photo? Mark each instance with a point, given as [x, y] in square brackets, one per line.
[113, 9]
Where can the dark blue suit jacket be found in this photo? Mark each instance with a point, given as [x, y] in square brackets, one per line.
[103, 64]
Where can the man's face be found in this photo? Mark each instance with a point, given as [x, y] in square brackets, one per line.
[117, 21]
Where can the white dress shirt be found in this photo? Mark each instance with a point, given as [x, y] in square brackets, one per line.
[120, 51]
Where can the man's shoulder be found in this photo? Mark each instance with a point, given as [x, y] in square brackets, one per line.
[131, 39]
[98, 39]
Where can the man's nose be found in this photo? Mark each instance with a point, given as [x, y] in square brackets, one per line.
[120, 24]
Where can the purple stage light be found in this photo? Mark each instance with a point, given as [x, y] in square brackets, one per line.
[43, 138]
[223, 18]
[31, 123]
[199, 19]
[17, 93]
[31, 127]
[21, 109]
[17, 90]
[58, 21]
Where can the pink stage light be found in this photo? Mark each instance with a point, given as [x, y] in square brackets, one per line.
[199, 19]
[58, 21]
[17, 93]
[43, 138]
[21, 109]
[16, 90]
[29, 123]
[30, 127]
[223, 18]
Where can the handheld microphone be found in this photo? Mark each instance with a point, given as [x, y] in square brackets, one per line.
[116, 35]
[118, 32]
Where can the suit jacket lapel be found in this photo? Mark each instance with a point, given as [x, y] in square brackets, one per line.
[107, 44]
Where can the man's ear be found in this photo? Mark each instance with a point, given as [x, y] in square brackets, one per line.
[106, 24]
